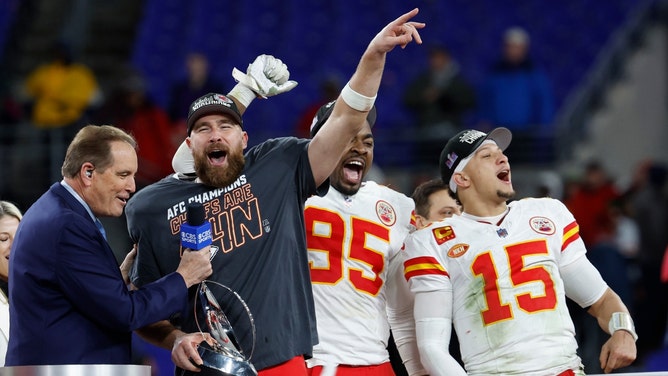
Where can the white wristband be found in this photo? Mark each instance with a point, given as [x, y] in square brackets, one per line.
[622, 321]
[356, 100]
[243, 94]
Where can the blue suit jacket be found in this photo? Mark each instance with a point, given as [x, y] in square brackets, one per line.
[69, 304]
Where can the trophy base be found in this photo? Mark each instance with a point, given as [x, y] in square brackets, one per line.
[217, 364]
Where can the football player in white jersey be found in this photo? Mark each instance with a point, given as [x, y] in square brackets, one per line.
[434, 202]
[354, 235]
[501, 273]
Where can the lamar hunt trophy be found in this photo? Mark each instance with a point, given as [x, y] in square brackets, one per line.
[225, 358]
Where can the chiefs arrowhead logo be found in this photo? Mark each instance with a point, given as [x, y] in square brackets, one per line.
[542, 225]
[385, 213]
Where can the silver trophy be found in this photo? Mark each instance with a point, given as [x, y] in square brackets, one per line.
[225, 357]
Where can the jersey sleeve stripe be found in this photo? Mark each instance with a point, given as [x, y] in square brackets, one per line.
[571, 234]
[423, 266]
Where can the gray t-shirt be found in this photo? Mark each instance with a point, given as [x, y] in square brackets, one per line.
[259, 236]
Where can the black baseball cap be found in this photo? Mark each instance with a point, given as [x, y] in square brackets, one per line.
[209, 104]
[466, 143]
[326, 109]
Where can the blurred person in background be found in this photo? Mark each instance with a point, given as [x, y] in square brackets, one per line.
[517, 94]
[626, 241]
[61, 91]
[650, 208]
[329, 89]
[198, 81]
[627, 231]
[438, 97]
[590, 203]
[58, 95]
[130, 108]
[10, 216]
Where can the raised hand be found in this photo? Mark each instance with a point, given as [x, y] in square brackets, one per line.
[266, 76]
[399, 32]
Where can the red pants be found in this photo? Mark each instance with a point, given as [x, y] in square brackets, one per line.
[295, 366]
[568, 372]
[384, 369]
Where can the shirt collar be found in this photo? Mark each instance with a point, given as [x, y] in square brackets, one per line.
[76, 195]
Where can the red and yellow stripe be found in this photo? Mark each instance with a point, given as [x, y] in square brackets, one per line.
[423, 266]
[571, 234]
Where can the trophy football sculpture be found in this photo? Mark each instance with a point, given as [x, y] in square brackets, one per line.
[225, 357]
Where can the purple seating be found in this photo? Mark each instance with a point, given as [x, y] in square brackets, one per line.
[318, 38]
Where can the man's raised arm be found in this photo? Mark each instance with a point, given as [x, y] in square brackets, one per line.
[358, 96]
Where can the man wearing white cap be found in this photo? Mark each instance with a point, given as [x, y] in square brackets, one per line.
[501, 273]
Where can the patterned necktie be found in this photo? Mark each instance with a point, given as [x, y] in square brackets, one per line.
[99, 227]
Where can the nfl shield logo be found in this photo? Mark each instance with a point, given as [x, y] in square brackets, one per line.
[502, 232]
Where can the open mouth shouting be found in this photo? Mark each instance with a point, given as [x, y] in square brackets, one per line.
[217, 156]
[353, 171]
[504, 175]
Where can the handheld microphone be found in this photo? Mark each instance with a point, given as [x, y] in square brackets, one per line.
[196, 232]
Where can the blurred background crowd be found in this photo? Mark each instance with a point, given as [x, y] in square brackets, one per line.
[583, 85]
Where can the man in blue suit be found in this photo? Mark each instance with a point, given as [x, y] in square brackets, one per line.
[69, 302]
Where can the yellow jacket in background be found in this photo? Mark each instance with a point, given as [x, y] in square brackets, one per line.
[61, 93]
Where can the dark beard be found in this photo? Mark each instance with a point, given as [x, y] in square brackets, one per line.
[505, 195]
[345, 190]
[216, 176]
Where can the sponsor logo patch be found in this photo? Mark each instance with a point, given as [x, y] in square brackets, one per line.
[443, 234]
[542, 225]
[458, 250]
[385, 213]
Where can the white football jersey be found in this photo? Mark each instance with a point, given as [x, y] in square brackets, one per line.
[352, 243]
[509, 306]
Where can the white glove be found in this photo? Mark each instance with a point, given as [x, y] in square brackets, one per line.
[183, 161]
[266, 76]
[274, 69]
